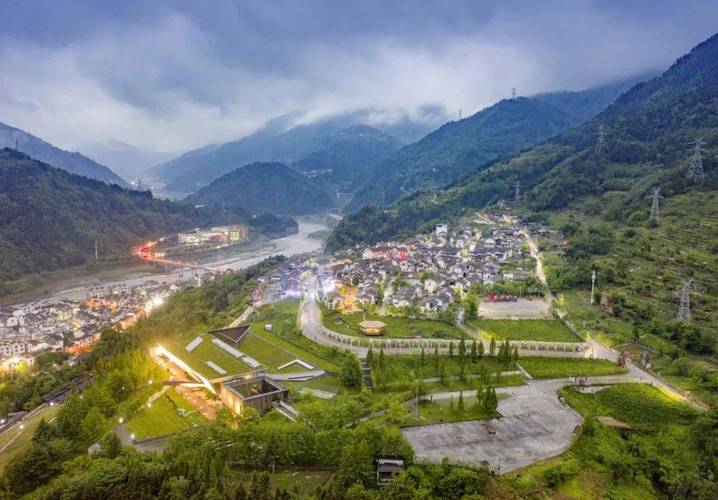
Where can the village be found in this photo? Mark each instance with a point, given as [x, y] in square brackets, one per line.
[431, 272]
[73, 326]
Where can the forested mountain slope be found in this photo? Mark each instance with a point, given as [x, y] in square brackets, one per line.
[11, 137]
[648, 136]
[353, 154]
[281, 140]
[50, 219]
[270, 187]
[469, 144]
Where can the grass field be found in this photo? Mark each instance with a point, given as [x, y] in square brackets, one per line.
[566, 367]
[545, 330]
[396, 327]
[206, 351]
[20, 438]
[162, 417]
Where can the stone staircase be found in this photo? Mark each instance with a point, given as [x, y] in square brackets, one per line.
[366, 373]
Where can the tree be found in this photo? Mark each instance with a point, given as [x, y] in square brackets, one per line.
[370, 357]
[472, 312]
[356, 465]
[492, 347]
[516, 353]
[451, 349]
[481, 350]
[474, 352]
[462, 348]
[381, 358]
[460, 406]
[351, 374]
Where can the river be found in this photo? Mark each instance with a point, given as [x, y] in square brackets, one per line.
[297, 243]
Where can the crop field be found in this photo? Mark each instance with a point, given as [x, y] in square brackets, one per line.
[162, 417]
[544, 330]
[396, 327]
[566, 367]
[205, 351]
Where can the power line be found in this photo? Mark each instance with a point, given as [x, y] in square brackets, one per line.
[695, 165]
[601, 141]
[656, 196]
[684, 310]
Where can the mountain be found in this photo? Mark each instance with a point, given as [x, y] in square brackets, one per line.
[50, 219]
[271, 187]
[354, 152]
[284, 139]
[647, 134]
[465, 145]
[127, 160]
[11, 137]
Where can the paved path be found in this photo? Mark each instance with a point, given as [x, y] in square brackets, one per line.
[534, 426]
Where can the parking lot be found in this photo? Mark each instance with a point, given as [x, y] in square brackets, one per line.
[534, 426]
[522, 308]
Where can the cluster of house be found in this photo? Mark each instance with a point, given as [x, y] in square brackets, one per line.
[283, 283]
[430, 271]
[74, 325]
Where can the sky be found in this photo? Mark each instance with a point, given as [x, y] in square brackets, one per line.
[175, 75]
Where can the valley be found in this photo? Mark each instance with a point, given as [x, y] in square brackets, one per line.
[376, 252]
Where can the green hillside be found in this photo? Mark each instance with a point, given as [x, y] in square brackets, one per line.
[271, 187]
[353, 154]
[465, 145]
[73, 162]
[50, 219]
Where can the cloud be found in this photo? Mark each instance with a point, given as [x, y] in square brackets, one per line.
[176, 75]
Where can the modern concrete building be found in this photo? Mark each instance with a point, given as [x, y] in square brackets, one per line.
[258, 392]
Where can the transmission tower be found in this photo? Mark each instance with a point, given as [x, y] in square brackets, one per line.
[655, 197]
[601, 141]
[695, 166]
[684, 310]
[517, 191]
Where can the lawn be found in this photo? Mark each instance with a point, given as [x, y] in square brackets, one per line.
[162, 417]
[566, 367]
[205, 351]
[544, 330]
[446, 410]
[21, 437]
[396, 327]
